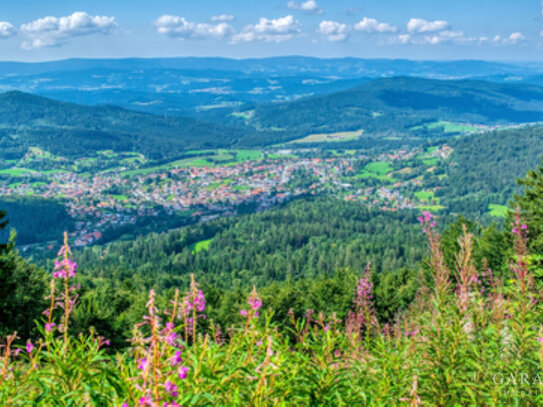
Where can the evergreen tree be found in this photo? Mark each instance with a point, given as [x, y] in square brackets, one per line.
[22, 290]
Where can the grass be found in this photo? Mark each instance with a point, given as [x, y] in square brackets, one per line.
[201, 245]
[448, 127]
[328, 137]
[498, 211]
[17, 172]
[248, 155]
[120, 197]
[425, 196]
[431, 208]
[377, 170]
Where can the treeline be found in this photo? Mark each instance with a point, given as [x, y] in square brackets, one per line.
[36, 220]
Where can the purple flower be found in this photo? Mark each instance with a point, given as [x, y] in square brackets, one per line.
[146, 401]
[200, 301]
[143, 364]
[49, 326]
[170, 388]
[243, 313]
[540, 339]
[29, 347]
[176, 358]
[182, 372]
[326, 328]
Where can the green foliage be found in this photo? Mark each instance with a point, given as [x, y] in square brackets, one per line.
[22, 292]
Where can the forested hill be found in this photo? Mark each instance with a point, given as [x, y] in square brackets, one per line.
[402, 104]
[69, 129]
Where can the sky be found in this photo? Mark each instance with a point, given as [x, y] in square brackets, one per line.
[499, 30]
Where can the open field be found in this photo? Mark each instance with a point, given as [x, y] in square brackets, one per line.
[377, 170]
[201, 245]
[498, 211]
[328, 137]
[449, 127]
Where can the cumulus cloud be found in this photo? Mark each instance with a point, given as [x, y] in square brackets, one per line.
[270, 30]
[55, 31]
[333, 31]
[514, 38]
[419, 25]
[179, 27]
[6, 30]
[309, 6]
[371, 25]
[223, 17]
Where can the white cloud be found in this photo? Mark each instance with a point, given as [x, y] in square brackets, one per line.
[419, 25]
[178, 27]
[333, 31]
[309, 6]
[55, 31]
[514, 38]
[270, 30]
[6, 30]
[445, 36]
[371, 25]
[223, 17]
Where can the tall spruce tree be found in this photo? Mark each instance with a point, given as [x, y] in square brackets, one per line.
[22, 289]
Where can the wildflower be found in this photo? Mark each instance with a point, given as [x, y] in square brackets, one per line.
[49, 326]
[540, 339]
[143, 364]
[200, 301]
[125, 404]
[171, 388]
[259, 343]
[146, 401]
[243, 313]
[176, 358]
[182, 372]
[326, 328]
[29, 347]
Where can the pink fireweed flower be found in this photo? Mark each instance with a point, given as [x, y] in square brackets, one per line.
[143, 364]
[146, 401]
[125, 404]
[29, 347]
[63, 266]
[200, 301]
[171, 388]
[326, 328]
[182, 372]
[49, 326]
[176, 358]
[243, 313]
[540, 339]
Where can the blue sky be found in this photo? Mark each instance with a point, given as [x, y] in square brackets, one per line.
[32, 30]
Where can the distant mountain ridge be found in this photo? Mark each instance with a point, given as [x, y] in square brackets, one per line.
[70, 129]
[191, 86]
[401, 103]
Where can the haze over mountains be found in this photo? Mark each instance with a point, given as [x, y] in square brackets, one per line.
[193, 86]
[400, 107]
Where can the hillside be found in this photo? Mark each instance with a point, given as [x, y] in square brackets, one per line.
[72, 130]
[404, 105]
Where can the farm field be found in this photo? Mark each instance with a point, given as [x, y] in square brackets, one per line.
[328, 137]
